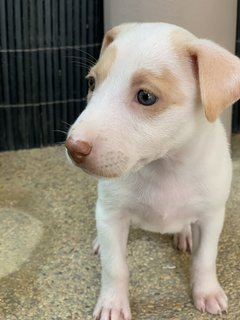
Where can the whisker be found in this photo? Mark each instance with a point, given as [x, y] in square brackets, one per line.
[88, 54]
[75, 59]
[82, 59]
[68, 124]
[82, 65]
[60, 131]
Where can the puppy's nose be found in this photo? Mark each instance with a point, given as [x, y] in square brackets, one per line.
[78, 150]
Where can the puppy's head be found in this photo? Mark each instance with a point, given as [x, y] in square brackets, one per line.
[149, 91]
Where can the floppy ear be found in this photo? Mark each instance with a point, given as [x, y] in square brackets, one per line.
[218, 74]
[113, 33]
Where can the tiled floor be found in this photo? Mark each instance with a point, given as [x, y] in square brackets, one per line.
[47, 269]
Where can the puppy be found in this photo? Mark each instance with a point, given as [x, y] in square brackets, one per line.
[151, 133]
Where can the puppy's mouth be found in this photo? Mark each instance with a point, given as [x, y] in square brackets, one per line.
[140, 164]
[109, 165]
[102, 174]
[115, 172]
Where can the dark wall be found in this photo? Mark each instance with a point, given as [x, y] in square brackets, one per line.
[46, 47]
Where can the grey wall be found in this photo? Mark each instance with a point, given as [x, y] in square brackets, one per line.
[213, 19]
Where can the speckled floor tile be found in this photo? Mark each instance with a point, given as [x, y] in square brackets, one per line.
[47, 268]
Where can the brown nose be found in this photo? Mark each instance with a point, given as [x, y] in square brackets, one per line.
[78, 149]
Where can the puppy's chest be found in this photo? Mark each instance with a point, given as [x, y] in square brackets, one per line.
[163, 204]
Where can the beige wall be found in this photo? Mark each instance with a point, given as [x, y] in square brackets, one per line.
[213, 19]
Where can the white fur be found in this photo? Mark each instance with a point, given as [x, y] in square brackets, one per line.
[174, 169]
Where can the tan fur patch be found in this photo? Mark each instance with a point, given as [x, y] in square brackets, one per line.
[109, 37]
[180, 39]
[165, 87]
[101, 70]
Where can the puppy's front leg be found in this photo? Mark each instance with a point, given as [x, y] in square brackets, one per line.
[113, 228]
[208, 295]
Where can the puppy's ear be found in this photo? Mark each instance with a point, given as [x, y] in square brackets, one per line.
[218, 74]
[113, 33]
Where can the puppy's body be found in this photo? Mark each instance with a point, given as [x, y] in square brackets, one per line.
[170, 193]
[151, 126]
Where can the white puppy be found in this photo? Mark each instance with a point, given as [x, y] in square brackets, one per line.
[151, 125]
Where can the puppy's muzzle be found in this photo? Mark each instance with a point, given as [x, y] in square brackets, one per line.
[78, 150]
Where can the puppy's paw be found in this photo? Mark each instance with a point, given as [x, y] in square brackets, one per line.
[112, 307]
[213, 300]
[96, 246]
[183, 240]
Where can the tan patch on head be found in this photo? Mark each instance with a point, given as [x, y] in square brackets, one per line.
[112, 34]
[165, 86]
[180, 39]
[101, 70]
[109, 37]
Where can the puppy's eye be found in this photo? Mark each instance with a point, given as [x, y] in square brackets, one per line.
[146, 98]
[91, 83]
